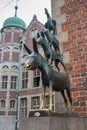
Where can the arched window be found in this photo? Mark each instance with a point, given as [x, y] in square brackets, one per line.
[14, 67]
[8, 29]
[17, 29]
[15, 48]
[6, 48]
[2, 104]
[12, 104]
[5, 67]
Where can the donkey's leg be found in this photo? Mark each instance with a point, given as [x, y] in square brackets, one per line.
[63, 66]
[65, 100]
[43, 98]
[50, 43]
[47, 60]
[50, 60]
[56, 64]
[50, 96]
[70, 99]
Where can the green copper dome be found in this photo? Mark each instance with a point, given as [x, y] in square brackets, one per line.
[14, 22]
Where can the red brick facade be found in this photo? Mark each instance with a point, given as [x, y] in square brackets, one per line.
[15, 56]
[35, 24]
[16, 37]
[27, 39]
[7, 37]
[76, 27]
[6, 56]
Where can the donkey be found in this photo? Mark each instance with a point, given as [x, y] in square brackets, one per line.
[56, 81]
[51, 23]
[49, 52]
[52, 40]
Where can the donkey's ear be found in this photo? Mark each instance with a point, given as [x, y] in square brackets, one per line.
[35, 46]
[42, 34]
[27, 49]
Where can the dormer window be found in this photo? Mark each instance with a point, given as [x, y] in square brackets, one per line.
[34, 33]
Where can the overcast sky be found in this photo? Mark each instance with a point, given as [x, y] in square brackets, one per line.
[26, 10]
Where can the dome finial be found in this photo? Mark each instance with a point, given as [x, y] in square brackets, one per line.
[16, 8]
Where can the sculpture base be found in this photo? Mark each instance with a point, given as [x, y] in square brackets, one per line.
[52, 121]
[47, 112]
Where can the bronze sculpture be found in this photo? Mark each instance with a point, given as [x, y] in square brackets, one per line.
[49, 52]
[56, 81]
[52, 40]
[51, 23]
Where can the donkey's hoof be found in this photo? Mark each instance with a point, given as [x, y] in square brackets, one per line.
[50, 108]
[41, 107]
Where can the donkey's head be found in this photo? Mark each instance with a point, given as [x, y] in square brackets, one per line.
[33, 60]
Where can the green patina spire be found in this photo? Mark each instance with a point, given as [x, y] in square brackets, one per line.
[16, 8]
[14, 21]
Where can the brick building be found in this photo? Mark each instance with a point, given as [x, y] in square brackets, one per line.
[20, 89]
[11, 32]
[71, 17]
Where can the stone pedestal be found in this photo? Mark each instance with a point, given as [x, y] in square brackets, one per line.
[47, 112]
[45, 120]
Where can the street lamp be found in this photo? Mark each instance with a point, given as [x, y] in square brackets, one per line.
[18, 85]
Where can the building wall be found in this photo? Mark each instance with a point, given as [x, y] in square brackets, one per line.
[9, 63]
[10, 59]
[30, 91]
[71, 17]
[34, 25]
